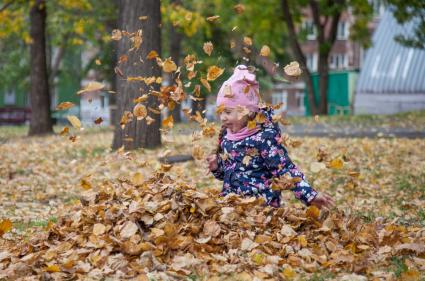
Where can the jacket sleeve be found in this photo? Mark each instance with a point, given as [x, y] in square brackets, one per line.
[219, 172]
[278, 163]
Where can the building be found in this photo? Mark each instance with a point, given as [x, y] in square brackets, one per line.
[393, 76]
[346, 56]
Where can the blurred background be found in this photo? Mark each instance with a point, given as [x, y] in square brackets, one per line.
[366, 55]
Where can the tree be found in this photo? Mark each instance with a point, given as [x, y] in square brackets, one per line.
[175, 52]
[69, 25]
[41, 123]
[326, 16]
[138, 134]
[410, 11]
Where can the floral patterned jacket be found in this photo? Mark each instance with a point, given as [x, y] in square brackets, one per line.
[248, 166]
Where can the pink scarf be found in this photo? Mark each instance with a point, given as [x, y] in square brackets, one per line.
[243, 133]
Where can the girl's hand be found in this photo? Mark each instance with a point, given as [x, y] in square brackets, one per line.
[212, 162]
[323, 200]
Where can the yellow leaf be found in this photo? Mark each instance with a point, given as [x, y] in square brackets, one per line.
[169, 66]
[247, 41]
[140, 111]
[265, 51]
[258, 259]
[5, 226]
[64, 105]
[208, 48]
[85, 184]
[137, 179]
[336, 164]
[52, 268]
[91, 87]
[152, 54]
[288, 272]
[168, 122]
[313, 212]
[98, 62]
[214, 72]
[213, 18]
[64, 131]
[246, 160]
[220, 108]
[293, 69]
[252, 124]
[410, 275]
[99, 229]
[116, 34]
[75, 122]
[302, 240]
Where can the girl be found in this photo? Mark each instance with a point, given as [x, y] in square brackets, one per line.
[250, 156]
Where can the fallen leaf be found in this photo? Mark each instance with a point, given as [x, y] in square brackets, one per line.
[169, 65]
[64, 105]
[265, 51]
[208, 48]
[5, 226]
[293, 69]
[75, 122]
[91, 87]
[99, 229]
[213, 18]
[129, 229]
[116, 34]
[214, 72]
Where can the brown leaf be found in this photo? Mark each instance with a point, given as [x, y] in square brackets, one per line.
[214, 72]
[64, 105]
[208, 48]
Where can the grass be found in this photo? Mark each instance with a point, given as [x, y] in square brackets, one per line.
[42, 223]
[398, 266]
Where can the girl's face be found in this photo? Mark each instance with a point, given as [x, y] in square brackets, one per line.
[232, 119]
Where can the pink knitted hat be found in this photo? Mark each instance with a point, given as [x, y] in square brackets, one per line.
[241, 89]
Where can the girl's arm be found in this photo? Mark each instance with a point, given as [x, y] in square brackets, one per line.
[219, 172]
[278, 162]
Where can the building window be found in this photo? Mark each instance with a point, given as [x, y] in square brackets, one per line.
[338, 61]
[311, 61]
[343, 31]
[10, 98]
[280, 97]
[310, 29]
[299, 96]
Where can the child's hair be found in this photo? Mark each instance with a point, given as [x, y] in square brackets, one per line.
[251, 116]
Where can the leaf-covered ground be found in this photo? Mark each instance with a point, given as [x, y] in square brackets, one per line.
[377, 231]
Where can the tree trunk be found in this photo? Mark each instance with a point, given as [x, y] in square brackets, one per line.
[41, 122]
[323, 84]
[299, 56]
[175, 49]
[138, 134]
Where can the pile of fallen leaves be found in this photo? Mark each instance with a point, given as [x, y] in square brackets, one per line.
[165, 229]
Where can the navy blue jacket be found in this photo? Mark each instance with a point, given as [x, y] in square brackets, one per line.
[248, 166]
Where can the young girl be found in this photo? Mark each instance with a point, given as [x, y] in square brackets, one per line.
[248, 159]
